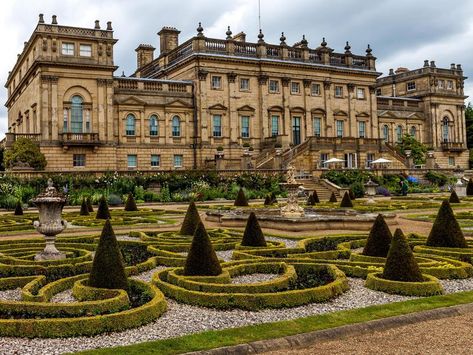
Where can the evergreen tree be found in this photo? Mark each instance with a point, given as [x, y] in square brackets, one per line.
[311, 200]
[202, 259]
[253, 235]
[268, 201]
[446, 232]
[241, 199]
[351, 194]
[400, 262]
[84, 210]
[333, 198]
[108, 269]
[316, 197]
[89, 205]
[18, 209]
[469, 188]
[274, 200]
[102, 210]
[346, 201]
[130, 205]
[191, 220]
[453, 197]
[379, 239]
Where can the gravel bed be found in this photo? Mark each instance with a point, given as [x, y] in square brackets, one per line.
[11, 295]
[226, 255]
[253, 278]
[146, 276]
[127, 237]
[290, 243]
[63, 297]
[357, 250]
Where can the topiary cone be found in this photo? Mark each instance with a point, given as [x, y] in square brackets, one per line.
[316, 197]
[89, 205]
[191, 220]
[274, 200]
[241, 199]
[108, 269]
[253, 235]
[18, 209]
[310, 200]
[130, 205]
[379, 239]
[102, 210]
[351, 194]
[84, 210]
[453, 197]
[400, 262]
[469, 188]
[333, 198]
[446, 232]
[267, 200]
[346, 201]
[202, 259]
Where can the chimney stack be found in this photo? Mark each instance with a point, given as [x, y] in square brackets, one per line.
[168, 39]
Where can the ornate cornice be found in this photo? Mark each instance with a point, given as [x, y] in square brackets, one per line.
[202, 74]
[49, 79]
[263, 79]
[285, 81]
[307, 83]
[231, 77]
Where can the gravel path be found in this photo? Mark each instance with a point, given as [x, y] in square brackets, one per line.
[253, 278]
[11, 295]
[290, 243]
[63, 297]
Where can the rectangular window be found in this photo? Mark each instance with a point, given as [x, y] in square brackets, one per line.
[66, 120]
[362, 129]
[245, 126]
[441, 84]
[451, 161]
[178, 161]
[67, 49]
[85, 50]
[450, 84]
[155, 160]
[323, 159]
[216, 82]
[274, 125]
[339, 128]
[273, 86]
[315, 89]
[338, 91]
[317, 126]
[217, 125]
[369, 159]
[244, 84]
[411, 85]
[360, 93]
[378, 92]
[132, 161]
[78, 160]
[295, 87]
[87, 120]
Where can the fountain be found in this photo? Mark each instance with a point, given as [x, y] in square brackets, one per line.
[50, 224]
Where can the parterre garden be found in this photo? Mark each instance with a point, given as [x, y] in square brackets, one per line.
[98, 288]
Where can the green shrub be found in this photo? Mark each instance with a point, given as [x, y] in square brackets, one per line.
[84, 210]
[400, 262]
[102, 210]
[130, 203]
[253, 235]
[24, 150]
[89, 205]
[436, 178]
[202, 259]
[346, 201]
[453, 197]
[357, 189]
[429, 286]
[379, 239]
[114, 200]
[469, 188]
[351, 194]
[241, 200]
[108, 269]
[274, 199]
[446, 232]
[191, 220]
[333, 198]
[18, 209]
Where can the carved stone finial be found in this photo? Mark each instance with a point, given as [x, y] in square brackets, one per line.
[347, 48]
[304, 42]
[97, 25]
[260, 36]
[282, 39]
[54, 21]
[229, 33]
[123, 74]
[109, 26]
[200, 30]
[324, 43]
[41, 18]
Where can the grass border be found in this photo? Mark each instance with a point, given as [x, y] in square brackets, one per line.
[233, 336]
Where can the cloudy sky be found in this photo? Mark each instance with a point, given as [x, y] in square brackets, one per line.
[401, 32]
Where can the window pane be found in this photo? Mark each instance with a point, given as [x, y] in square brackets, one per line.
[68, 48]
[274, 125]
[85, 50]
[155, 160]
[339, 128]
[153, 125]
[244, 84]
[362, 129]
[245, 126]
[130, 125]
[176, 127]
[217, 125]
[132, 160]
[76, 114]
[78, 160]
[178, 161]
[317, 126]
[216, 82]
[273, 86]
[315, 89]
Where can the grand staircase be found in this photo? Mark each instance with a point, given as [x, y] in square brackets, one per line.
[323, 187]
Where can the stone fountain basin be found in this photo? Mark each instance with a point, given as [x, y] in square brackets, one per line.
[313, 219]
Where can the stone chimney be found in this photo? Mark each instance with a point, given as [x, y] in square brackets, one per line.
[144, 55]
[401, 70]
[168, 39]
[240, 37]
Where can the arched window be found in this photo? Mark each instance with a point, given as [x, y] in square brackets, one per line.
[77, 114]
[153, 126]
[176, 126]
[386, 133]
[445, 129]
[130, 125]
[399, 133]
[413, 131]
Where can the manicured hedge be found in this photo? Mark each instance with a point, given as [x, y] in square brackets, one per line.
[429, 287]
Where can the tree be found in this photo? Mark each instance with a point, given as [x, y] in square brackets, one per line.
[417, 149]
[253, 235]
[130, 205]
[469, 188]
[379, 239]
[316, 197]
[89, 205]
[202, 259]
[25, 151]
[469, 125]
[18, 209]
[453, 197]
[333, 198]
[108, 269]
[346, 201]
[191, 220]
[446, 232]
[241, 199]
[311, 200]
[102, 210]
[400, 262]
[84, 210]
[267, 200]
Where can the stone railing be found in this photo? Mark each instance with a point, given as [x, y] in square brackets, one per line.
[10, 138]
[453, 146]
[69, 138]
[132, 84]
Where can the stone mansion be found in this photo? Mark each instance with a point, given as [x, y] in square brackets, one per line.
[226, 103]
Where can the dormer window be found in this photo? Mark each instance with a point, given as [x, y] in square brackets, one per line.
[67, 49]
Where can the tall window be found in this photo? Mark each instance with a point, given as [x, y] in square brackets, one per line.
[216, 82]
[362, 129]
[130, 125]
[399, 133]
[317, 122]
[244, 84]
[132, 160]
[295, 87]
[217, 125]
[413, 131]
[245, 126]
[386, 133]
[178, 161]
[338, 91]
[65, 127]
[445, 129]
[76, 114]
[273, 86]
[339, 128]
[155, 160]
[274, 125]
[176, 126]
[153, 125]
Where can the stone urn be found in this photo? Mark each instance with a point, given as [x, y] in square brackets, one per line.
[292, 208]
[50, 224]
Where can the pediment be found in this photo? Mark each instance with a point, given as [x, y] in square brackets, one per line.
[131, 100]
[275, 108]
[362, 114]
[339, 113]
[415, 115]
[297, 109]
[387, 114]
[318, 110]
[178, 103]
[246, 108]
[218, 107]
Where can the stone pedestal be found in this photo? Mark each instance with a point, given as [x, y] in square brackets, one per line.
[292, 208]
[430, 160]
[246, 162]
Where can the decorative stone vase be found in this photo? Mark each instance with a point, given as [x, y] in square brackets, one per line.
[292, 208]
[50, 224]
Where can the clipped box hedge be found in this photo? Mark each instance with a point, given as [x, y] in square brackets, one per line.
[430, 287]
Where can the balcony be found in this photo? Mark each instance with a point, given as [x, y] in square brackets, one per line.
[70, 139]
[453, 146]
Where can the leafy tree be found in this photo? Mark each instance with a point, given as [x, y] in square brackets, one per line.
[253, 235]
[24, 150]
[417, 149]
